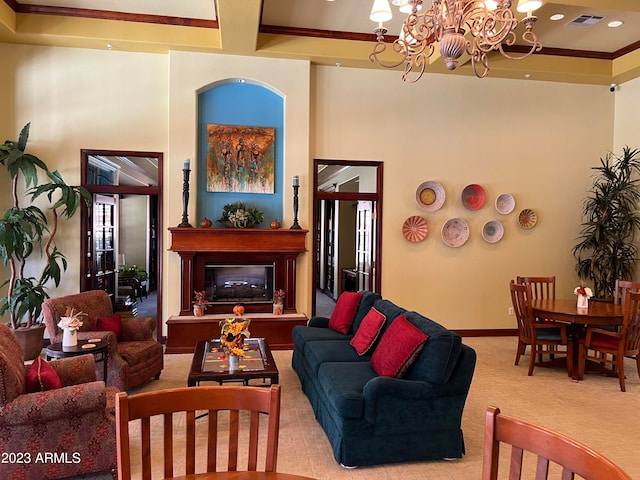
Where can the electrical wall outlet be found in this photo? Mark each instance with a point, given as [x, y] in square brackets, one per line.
[510, 310]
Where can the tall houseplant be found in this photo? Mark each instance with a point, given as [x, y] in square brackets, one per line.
[26, 230]
[606, 250]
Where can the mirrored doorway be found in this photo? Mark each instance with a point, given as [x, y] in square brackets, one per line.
[121, 234]
[347, 222]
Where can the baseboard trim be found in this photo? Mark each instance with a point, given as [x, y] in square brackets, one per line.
[496, 332]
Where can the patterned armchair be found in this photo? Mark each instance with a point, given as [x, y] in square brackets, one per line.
[133, 359]
[56, 433]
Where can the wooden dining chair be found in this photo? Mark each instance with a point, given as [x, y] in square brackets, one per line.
[551, 449]
[541, 287]
[621, 289]
[610, 347]
[540, 335]
[171, 416]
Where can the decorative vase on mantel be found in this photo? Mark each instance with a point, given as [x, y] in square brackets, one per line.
[69, 337]
[198, 310]
[278, 308]
[583, 301]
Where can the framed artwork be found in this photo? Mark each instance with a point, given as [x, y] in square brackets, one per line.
[240, 159]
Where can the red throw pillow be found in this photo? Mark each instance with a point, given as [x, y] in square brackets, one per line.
[42, 377]
[368, 331]
[400, 345]
[110, 324]
[345, 311]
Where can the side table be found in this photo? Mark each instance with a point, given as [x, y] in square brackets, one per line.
[99, 352]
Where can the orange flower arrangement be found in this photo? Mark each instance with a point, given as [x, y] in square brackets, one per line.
[233, 331]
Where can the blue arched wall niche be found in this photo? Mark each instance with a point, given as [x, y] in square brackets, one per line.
[243, 104]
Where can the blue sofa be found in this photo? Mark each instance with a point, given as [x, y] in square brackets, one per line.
[371, 419]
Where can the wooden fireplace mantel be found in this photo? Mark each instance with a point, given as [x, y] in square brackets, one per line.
[237, 240]
[198, 246]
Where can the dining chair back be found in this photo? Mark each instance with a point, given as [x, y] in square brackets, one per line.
[541, 287]
[167, 419]
[611, 347]
[554, 451]
[543, 337]
[621, 289]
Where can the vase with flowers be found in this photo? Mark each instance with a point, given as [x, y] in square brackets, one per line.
[70, 324]
[233, 332]
[200, 303]
[584, 294]
[278, 302]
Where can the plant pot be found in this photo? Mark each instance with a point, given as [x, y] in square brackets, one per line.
[198, 310]
[277, 309]
[30, 340]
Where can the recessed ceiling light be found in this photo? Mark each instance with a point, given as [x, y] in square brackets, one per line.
[338, 64]
[556, 16]
[615, 23]
[109, 46]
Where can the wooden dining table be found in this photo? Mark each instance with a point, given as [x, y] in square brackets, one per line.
[241, 476]
[567, 311]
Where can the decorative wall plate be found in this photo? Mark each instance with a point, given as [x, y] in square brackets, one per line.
[505, 203]
[492, 231]
[415, 229]
[527, 218]
[455, 232]
[473, 197]
[430, 196]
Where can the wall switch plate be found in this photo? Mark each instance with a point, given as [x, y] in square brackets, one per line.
[510, 310]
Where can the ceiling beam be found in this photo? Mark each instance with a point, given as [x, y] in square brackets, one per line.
[239, 22]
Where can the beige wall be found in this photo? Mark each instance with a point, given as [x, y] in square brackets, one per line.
[75, 99]
[627, 123]
[535, 140]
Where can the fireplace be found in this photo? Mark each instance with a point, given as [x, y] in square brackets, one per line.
[232, 284]
[264, 259]
[247, 265]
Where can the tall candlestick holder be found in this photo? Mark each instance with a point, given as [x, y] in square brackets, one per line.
[185, 196]
[295, 225]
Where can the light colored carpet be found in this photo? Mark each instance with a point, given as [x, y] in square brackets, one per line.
[593, 411]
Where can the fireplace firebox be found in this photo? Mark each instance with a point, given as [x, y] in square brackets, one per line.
[233, 284]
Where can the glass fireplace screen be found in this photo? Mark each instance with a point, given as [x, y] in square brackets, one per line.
[239, 283]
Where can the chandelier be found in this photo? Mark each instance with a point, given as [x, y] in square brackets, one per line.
[476, 27]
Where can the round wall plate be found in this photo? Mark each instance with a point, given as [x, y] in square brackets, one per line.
[492, 231]
[505, 203]
[473, 197]
[527, 218]
[415, 229]
[455, 232]
[430, 196]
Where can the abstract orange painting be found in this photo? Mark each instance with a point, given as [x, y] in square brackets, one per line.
[240, 159]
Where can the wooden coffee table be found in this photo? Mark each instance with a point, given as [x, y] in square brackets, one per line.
[211, 365]
[99, 352]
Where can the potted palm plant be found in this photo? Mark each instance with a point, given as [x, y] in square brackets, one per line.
[606, 250]
[26, 231]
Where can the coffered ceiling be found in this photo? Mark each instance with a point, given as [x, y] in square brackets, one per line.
[337, 33]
